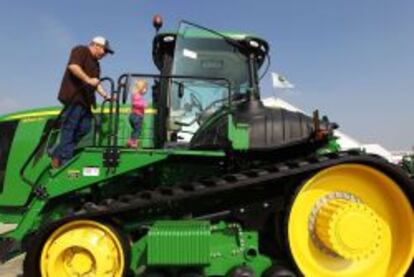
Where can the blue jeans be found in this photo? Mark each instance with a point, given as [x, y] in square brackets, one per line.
[136, 122]
[76, 123]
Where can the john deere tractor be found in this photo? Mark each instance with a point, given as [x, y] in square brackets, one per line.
[220, 185]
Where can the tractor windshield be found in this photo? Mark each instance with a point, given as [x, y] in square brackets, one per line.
[200, 53]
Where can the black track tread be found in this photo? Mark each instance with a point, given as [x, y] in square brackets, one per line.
[151, 202]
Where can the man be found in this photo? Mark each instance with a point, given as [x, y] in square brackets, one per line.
[77, 94]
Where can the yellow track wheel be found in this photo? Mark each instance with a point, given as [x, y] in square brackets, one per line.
[82, 248]
[351, 220]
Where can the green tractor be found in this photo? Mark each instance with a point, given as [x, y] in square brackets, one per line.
[220, 186]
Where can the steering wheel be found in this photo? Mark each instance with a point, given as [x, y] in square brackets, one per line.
[203, 114]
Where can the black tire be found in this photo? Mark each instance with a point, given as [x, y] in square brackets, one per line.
[156, 272]
[278, 271]
[191, 272]
[241, 271]
[33, 246]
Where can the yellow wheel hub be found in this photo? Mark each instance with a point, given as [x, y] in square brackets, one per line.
[350, 230]
[82, 248]
[80, 263]
[351, 220]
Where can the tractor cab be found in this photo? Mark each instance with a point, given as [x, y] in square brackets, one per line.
[222, 61]
[208, 95]
[202, 73]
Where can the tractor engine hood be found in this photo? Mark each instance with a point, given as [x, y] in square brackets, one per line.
[268, 128]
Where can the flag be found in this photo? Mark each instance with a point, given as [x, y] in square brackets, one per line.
[280, 82]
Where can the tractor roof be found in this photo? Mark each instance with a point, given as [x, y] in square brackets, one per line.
[165, 42]
[196, 33]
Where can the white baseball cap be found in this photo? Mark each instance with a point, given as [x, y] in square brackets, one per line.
[104, 42]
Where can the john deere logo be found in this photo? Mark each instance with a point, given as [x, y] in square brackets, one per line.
[74, 174]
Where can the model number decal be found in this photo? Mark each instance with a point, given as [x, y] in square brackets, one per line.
[91, 171]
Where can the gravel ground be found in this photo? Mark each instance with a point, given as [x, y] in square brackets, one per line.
[12, 268]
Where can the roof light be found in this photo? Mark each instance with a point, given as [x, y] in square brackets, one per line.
[157, 22]
[254, 43]
[168, 38]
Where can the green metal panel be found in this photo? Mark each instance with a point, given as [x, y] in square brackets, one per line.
[124, 131]
[238, 134]
[124, 128]
[147, 129]
[179, 243]
[232, 246]
[27, 135]
[74, 175]
[87, 169]
[29, 221]
[332, 147]
[216, 248]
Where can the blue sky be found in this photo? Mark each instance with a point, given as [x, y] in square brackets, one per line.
[353, 60]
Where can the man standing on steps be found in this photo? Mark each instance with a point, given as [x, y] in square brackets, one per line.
[77, 94]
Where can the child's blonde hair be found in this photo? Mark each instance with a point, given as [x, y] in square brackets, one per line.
[140, 86]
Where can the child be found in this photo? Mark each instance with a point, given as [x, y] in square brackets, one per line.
[138, 105]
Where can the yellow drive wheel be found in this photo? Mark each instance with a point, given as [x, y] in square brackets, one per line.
[83, 248]
[351, 220]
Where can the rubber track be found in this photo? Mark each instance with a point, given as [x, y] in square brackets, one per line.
[166, 200]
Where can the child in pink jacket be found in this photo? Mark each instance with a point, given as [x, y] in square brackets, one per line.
[138, 105]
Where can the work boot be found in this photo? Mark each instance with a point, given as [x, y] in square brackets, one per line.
[55, 163]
